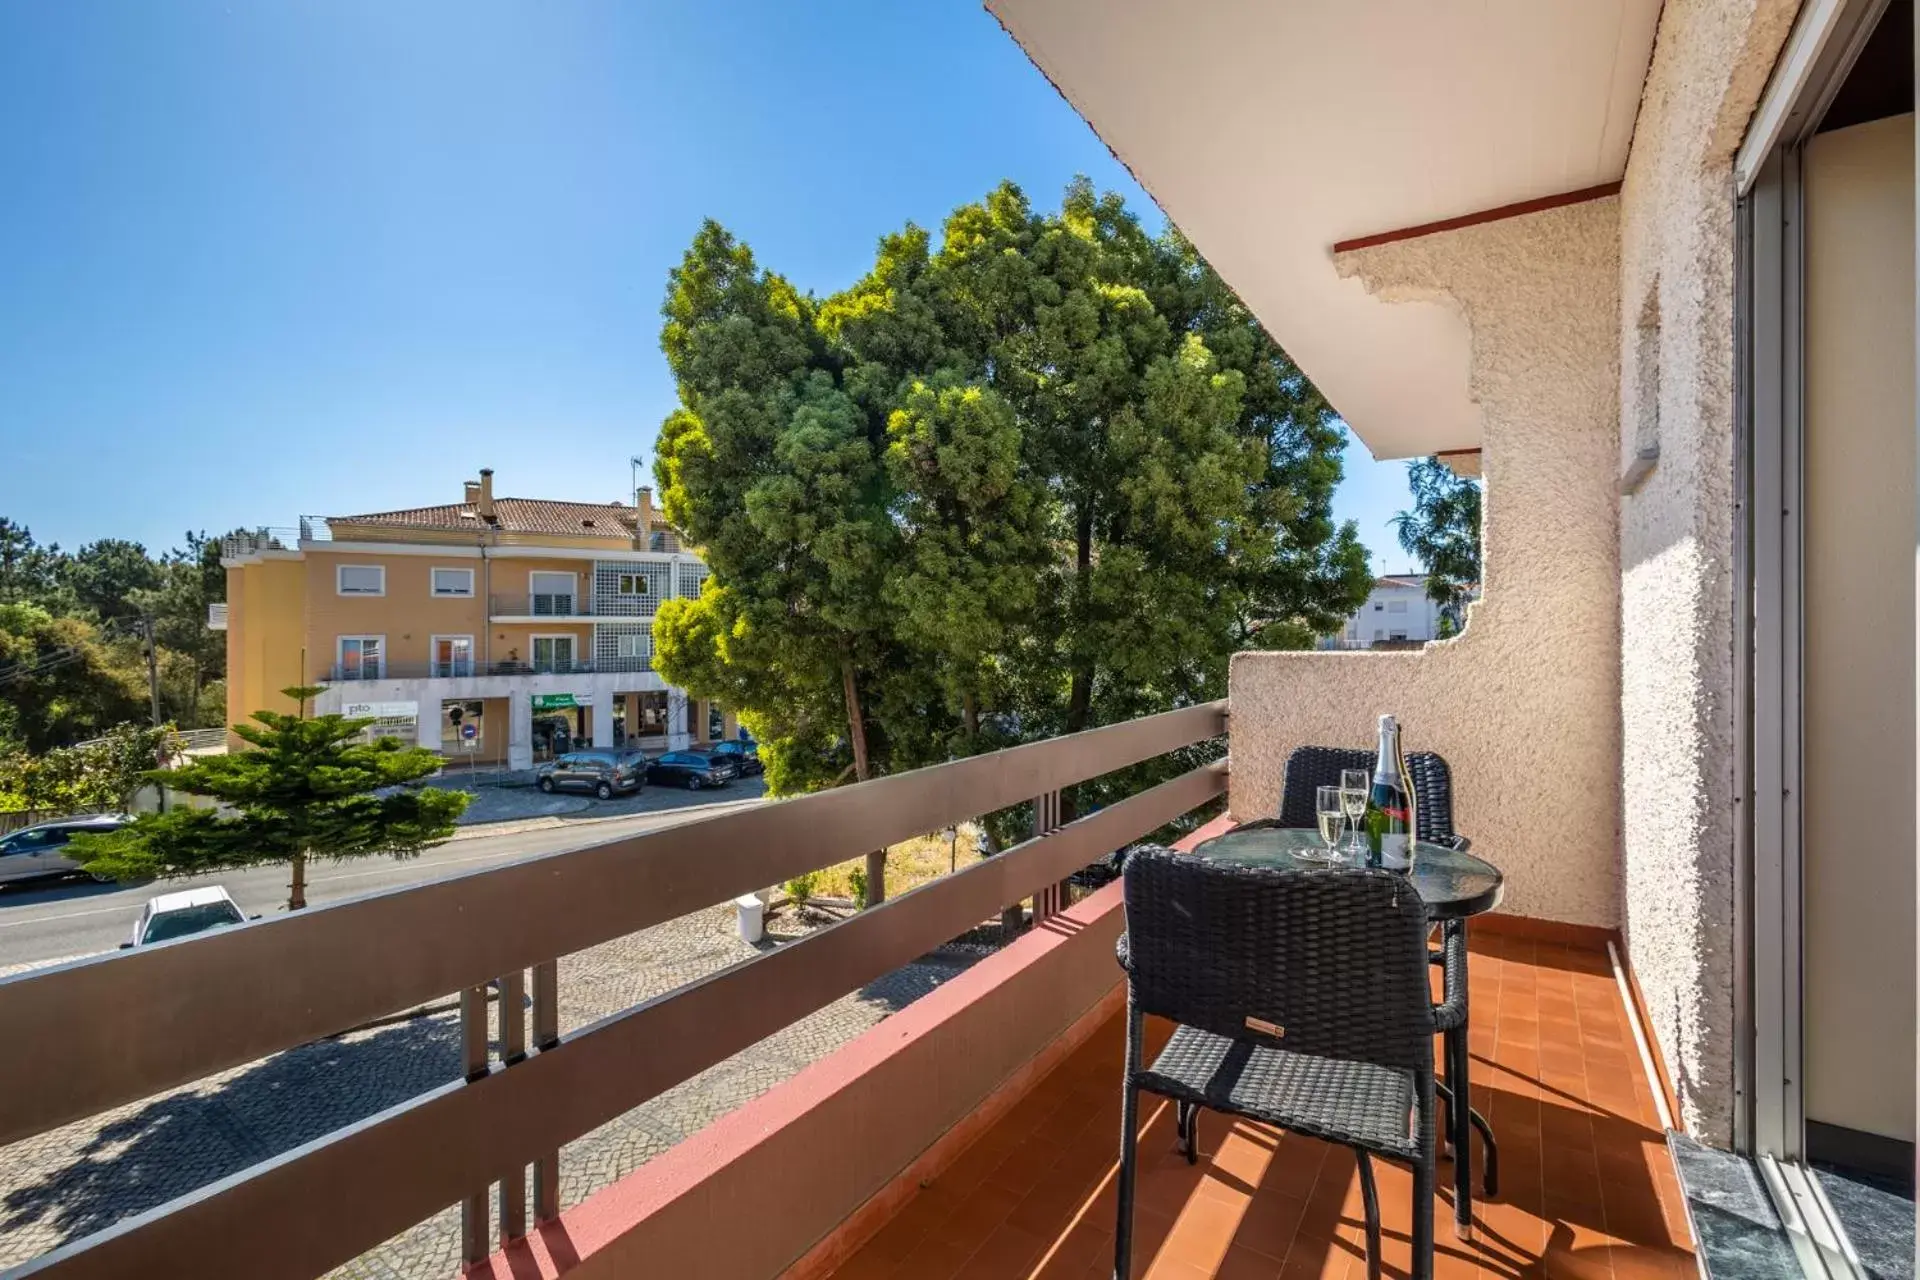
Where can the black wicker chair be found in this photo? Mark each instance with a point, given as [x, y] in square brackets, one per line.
[1310, 768]
[1300, 999]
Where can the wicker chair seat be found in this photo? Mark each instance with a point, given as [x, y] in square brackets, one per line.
[1344, 1102]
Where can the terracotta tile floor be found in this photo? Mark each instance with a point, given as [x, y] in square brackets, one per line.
[1586, 1186]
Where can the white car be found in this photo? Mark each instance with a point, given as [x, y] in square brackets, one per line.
[184, 914]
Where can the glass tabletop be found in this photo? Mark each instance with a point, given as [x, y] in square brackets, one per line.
[1452, 883]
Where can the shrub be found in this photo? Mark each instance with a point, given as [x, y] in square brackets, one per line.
[801, 887]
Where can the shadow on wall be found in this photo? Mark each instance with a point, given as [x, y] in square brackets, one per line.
[146, 1155]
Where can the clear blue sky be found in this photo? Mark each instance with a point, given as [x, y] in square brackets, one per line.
[265, 258]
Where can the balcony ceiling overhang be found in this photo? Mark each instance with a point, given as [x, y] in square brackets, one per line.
[1272, 131]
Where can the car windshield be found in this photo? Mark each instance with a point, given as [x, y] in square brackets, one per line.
[191, 920]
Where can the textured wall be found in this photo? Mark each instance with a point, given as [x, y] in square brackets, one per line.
[1525, 704]
[1676, 535]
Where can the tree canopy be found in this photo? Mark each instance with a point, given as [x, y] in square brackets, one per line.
[312, 788]
[1442, 532]
[72, 663]
[1044, 474]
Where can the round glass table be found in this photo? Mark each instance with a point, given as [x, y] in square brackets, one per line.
[1453, 884]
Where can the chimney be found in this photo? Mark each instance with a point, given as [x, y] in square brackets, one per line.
[483, 505]
[643, 516]
[473, 493]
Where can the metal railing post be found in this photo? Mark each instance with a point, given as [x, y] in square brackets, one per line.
[476, 1210]
[513, 1050]
[546, 1034]
[1051, 900]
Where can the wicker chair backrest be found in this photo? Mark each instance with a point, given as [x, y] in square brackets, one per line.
[1310, 768]
[1331, 963]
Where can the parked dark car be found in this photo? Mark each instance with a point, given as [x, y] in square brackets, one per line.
[40, 851]
[605, 771]
[745, 756]
[692, 770]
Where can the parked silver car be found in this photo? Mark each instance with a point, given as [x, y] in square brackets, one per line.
[40, 851]
[605, 771]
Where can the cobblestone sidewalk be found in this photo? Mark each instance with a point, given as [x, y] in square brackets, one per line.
[85, 1177]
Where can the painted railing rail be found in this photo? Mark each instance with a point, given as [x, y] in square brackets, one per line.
[117, 1029]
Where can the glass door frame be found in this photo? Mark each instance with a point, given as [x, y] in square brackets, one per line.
[1769, 355]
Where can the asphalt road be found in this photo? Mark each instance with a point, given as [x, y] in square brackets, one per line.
[64, 919]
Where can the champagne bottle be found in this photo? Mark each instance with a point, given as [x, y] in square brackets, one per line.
[1390, 804]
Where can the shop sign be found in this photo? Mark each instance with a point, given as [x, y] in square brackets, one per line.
[406, 712]
[554, 701]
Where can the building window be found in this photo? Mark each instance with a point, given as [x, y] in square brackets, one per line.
[1396, 606]
[361, 658]
[552, 594]
[453, 582]
[633, 584]
[633, 645]
[1378, 607]
[553, 653]
[1396, 635]
[452, 656]
[361, 579]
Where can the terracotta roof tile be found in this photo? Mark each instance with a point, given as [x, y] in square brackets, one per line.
[514, 515]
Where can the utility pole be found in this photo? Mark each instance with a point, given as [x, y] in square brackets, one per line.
[153, 665]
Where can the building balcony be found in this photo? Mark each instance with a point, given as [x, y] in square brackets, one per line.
[466, 670]
[971, 1133]
[505, 608]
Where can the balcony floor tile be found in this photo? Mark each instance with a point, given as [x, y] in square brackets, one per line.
[1586, 1191]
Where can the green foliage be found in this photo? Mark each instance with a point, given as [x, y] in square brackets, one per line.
[312, 788]
[72, 658]
[1044, 474]
[99, 775]
[857, 877]
[1442, 532]
[800, 889]
[61, 680]
[107, 575]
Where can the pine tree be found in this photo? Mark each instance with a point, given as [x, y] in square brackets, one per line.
[312, 788]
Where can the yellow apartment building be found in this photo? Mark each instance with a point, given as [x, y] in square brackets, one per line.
[497, 631]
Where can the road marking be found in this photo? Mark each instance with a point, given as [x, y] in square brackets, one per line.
[71, 915]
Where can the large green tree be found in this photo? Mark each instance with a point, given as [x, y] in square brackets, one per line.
[1442, 532]
[1046, 474]
[61, 681]
[313, 788]
[89, 611]
[107, 577]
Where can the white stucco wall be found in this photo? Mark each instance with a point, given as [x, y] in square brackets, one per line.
[1676, 535]
[1525, 704]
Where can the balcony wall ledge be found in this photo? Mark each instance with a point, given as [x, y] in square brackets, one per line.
[796, 1180]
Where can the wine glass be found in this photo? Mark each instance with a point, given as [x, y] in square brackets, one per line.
[1354, 786]
[1330, 808]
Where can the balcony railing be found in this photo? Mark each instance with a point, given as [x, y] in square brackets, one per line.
[571, 605]
[456, 670]
[113, 1030]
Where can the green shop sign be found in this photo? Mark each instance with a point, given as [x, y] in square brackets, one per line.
[555, 701]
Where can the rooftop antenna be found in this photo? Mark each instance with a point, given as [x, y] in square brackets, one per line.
[636, 465]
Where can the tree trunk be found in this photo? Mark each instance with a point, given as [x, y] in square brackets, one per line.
[857, 731]
[297, 887]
